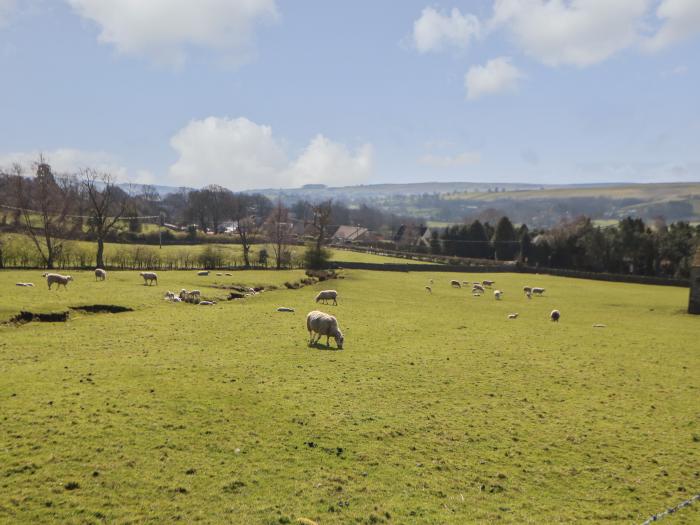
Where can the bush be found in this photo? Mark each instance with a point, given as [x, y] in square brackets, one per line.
[210, 257]
[315, 259]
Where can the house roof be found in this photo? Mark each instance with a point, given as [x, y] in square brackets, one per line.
[349, 233]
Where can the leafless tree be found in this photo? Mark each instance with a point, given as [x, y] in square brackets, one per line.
[247, 233]
[279, 227]
[316, 256]
[106, 203]
[44, 203]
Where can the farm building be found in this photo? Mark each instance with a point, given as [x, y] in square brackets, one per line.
[412, 235]
[694, 302]
[345, 234]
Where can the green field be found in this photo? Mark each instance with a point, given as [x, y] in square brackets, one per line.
[439, 410]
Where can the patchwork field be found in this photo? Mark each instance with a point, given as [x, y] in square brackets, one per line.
[439, 409]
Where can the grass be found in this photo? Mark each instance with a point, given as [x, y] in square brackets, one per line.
[439, 410]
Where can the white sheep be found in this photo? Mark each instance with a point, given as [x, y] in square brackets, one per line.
[527, 289]
[326, 295]
[149, 278]
[169, 296]
[219, 274]
[428, 289]
[538, 291]
[206, 303]
[58, 279]
[100, 274]
[25, 284]
[555, 315]
[513, 316]
[321, 324]
[455, 284]
[497, 294]
[203, 273]
[486, 282]
[476, 287]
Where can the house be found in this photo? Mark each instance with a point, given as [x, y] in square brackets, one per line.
[412, 235]
[347, 234]
[694, 300]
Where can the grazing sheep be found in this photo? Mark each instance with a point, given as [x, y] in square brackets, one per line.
[327, 295]
[321, 324]
[149, 278]
[497, 294]
[203, 273]
[169, 296]
[513, 316]
[538, 291]
[486, 282]
[229, 274]
[555, 315]
[528, 294]
[100, 274]
[58, 279]
[455, 284]
[476, 287]
[428, 289]
[196, 292]
[527, 289]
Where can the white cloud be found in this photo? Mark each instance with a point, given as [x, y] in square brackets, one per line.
[579, 32]
[434, 31]
[240, 154]
[450, 161]
[7, 8]
[497, 76]
[163, 30]
[325, 161]
[681, 20]
[67, 161]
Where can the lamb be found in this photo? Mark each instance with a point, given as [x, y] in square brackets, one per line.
[323, 324]
[203, 273]
[149, 278]
[497, 294]
[538, 291]
[513, 316]
[206, 303]
[326, 295]
[528, 294]
[100, 274]
[58, 279]
[169, 296]
[486, 282]
[455, 284]
[25, 284]
[476, 287]
[428, 289]
[555, 315]
[527, 289]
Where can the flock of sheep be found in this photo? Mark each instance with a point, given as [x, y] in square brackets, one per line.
[479, 288]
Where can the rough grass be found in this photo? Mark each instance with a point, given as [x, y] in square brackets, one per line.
[439, 410]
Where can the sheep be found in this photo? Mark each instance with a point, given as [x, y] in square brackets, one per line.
[465, 283]
[555, 315]
[326, 295]
[528, 294]
[323, 324]
[527, 289]
[206, 303]
[428, 289]
[538, 291]
[476, 287]
[285, 309]
[58, 279]
[219, 274]
[497, 294]
[455, 284]
[513, 316]
[203, 273]
[25, 284]
[486, 282]
[149, 278]
[195, 292]
[100, 274]
[169, 296]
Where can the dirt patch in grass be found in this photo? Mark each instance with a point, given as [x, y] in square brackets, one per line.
[102, 308]
[27, 317]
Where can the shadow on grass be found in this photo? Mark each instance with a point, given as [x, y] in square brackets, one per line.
[320, 346]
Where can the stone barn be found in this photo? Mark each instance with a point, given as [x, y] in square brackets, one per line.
[694, 302]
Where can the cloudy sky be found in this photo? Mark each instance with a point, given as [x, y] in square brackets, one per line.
[279, 93]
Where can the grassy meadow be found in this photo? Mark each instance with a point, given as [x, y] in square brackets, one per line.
[439, 410]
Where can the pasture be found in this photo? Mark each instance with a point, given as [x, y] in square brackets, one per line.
[439, 409]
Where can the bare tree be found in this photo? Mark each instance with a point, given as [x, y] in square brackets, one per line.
[316, 256]
[44, 203]
[279, 232]
[247, 233]
[106, 203]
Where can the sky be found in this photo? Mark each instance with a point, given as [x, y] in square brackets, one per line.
[279, 93]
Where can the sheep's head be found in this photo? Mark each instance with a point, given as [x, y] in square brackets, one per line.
[339, 339]
[69, 278]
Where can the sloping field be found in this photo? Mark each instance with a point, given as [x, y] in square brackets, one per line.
[439, 409]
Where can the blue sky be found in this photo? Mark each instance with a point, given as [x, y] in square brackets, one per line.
[278, 93]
